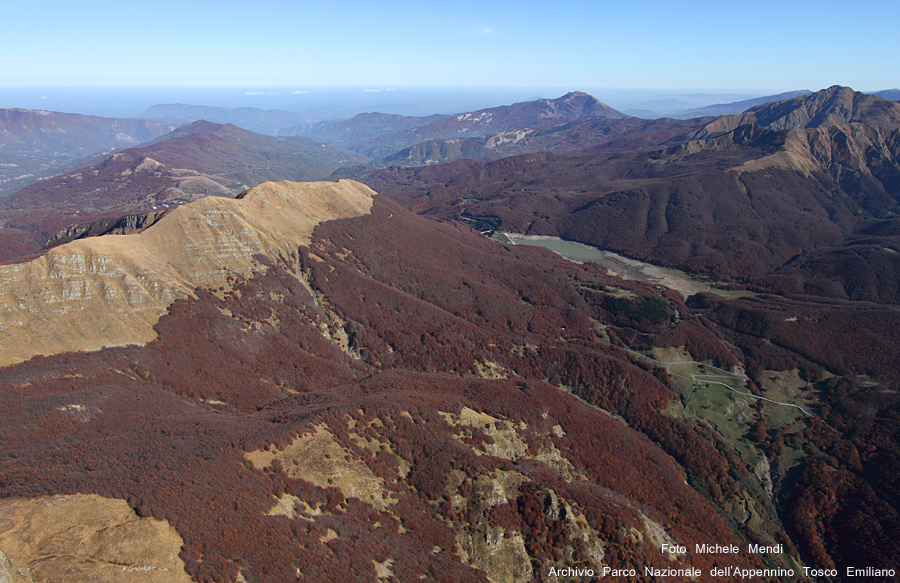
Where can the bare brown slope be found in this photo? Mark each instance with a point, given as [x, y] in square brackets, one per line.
[85, 538]
[111, 290]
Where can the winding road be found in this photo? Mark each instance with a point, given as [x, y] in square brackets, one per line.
[728, 375]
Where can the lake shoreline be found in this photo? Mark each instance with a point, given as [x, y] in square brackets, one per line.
[619, 265]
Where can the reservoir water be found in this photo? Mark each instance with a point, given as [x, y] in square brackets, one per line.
[621, 266]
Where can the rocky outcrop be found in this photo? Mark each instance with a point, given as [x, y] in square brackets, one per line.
[320, 459]
[85, 538]
[121, 225]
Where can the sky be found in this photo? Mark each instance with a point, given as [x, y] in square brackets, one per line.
[723, 45]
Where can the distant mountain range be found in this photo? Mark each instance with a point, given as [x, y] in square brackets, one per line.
[361, 128]
[893, 94]
[824, 164]
[35, 143]
[380, 137]
[532, 114]
[585, 134]
[268, 122]
[194, 161]
[203, 158]
[578, 121]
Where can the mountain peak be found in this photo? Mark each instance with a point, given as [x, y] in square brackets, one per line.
[835, 106]
[576, 104]
[202, 125]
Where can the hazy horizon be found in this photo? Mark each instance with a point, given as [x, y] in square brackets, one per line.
[320, 103]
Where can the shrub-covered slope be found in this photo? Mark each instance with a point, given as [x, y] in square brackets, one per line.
[399, 398]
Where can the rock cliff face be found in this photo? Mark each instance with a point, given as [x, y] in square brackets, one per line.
[110, 291]
[120, 225]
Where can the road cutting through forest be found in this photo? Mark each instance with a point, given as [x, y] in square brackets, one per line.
[728, 375]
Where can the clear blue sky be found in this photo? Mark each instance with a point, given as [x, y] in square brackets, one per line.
[727, 44]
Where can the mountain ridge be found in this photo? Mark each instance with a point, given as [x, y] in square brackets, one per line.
[360, 128]
[738, 106]
[527, 114]
[637, 202]
[269, 122]
[371, 394]
[835, 105]
[592, 134]
[112, 289]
